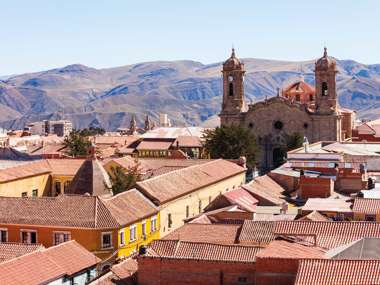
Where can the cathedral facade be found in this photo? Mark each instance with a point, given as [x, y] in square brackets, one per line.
[312, 112]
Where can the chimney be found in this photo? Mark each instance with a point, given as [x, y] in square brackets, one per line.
[92, 151]
[284, 208]
[305, 144]
[242, 161]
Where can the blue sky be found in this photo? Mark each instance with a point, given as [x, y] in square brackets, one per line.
[42, 34]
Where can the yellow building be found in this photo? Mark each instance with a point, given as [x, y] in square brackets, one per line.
[138, 218]
[38, 178]
[184, 193]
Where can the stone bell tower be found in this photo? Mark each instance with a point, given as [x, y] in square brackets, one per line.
[233, 90]
[325, 85]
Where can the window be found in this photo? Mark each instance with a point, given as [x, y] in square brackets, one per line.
[278, 125]
[35, 193]
[370, 218]
[57, 187]
[242, 279]
[311, 97]
[250, 125]
[60, 237]
[106, 240]
[143, 229]
[298, 98]
[28, 236]
[153, 224]
[231, 89]
[325, 90]
[310, 164]
[347, 165]
[24, 194]
[305, 125]
[121, 237]
[66, 186]
[170, 222]
[132, 233]
[200, 206]
[3, 235]
[187, 211]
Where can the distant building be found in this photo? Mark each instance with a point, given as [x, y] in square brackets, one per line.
[164, 121]
[300, 109]
[61, 128]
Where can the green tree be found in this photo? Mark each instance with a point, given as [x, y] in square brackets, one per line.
[294, 141]
[77, 144]
[231, 142]
[124, 180]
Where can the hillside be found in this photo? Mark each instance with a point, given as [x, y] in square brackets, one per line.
[190, 92]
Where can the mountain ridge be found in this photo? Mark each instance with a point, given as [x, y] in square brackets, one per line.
[189, 91]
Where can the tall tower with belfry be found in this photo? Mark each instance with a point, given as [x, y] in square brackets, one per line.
[233, 90]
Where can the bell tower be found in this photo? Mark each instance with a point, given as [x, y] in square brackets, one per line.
[325, 85]
[233, 89]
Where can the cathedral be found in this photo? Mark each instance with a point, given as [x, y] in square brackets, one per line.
[312, 112]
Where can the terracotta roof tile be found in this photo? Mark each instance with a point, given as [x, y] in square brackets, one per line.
[47, 265]
[25, 170]
[202, 251]
[264, 188]
[327, 205]
[10, 250]
[70, 211]
[257, 232]
[188, 141]
[290, 250]
[338, 272]
[366, 206]
[174, 184]
[242, 198]
[129, 207]
[314, 216]
[154, 145]
[67, 167]
[212, 233]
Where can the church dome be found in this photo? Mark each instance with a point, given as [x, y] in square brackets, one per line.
[325, 62]
[300, 92]
[233, 62]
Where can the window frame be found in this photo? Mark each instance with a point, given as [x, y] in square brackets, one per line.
[61, 232]
[143, 228]
[24, 194]
[30, 237]
[153, 229]
[6, 235]
[122, 237]
[134, 227]
[35, 191]
[101, 240]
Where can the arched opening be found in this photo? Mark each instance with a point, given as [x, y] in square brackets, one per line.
[231, 89]
[278, 157]
[325, 90]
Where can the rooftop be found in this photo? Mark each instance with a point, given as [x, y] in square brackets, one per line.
[290, 250]
[175, 249]
[338, 272]
[10, 250]
[366, 206]
[180, 182]
[49, 264]
[339, 205]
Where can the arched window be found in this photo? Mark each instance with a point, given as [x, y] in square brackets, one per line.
[231, 89]
[311, 98]
[325, 90]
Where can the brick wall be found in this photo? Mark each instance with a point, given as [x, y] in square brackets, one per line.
[279, 271]
[155, 271]
[315, 187]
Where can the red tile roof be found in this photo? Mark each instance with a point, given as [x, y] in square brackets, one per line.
[212, 233]
[314, 216]
[154, 145]
[328, 234]
[202, 251]
[71, 211]
[44, 266]
[242, 198]
[266, 190]
[188, 141]
[290, 250]
[338, 272]
[327, 205]
[257, 232]
[366, 206]
[10, 250]
[129, 207]
[172, 185]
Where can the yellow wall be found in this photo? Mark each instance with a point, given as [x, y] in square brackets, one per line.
[129, 247]
[177, 207]
[17, 187]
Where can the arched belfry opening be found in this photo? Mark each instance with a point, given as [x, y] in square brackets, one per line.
[325, 89]
[231, 89]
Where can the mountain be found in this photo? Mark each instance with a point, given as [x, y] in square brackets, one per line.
[188, 91]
